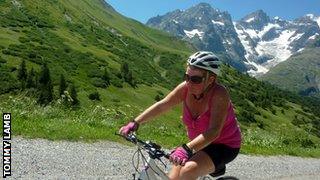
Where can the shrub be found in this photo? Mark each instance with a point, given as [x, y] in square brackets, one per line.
[246, 116]
[157, 98]
[94, 96]
[98, 82]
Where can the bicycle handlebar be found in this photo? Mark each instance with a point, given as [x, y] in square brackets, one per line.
[154, 150]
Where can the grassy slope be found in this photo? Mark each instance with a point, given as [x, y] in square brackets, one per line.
[129, 27]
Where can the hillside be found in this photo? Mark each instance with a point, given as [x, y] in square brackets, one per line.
[300, 73]
[83, 37]
[118, 67]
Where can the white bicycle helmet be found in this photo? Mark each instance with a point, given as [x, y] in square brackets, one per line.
[205, 60]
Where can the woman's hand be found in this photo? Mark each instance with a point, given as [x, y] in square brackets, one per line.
[130, 127]
[181, 155]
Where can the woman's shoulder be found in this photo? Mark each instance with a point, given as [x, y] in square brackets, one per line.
[179, 90]
[220, 91]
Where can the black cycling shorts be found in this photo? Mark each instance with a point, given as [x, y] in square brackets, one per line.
[221, 154]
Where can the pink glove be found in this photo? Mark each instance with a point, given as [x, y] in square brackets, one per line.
[181, 155]
[130, 127]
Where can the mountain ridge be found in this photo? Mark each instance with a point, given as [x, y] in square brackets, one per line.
[260, 42]
[202, 24]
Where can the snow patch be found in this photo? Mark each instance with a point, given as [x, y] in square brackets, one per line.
[267, 28]
[256, 34]
[227, 41]
[314, 36]
[316, 19]
[278, 48]
[252, 33]
[311, 16]
[193, 32]
[260, 69]
[242, 36]
[277, 18]
[250, 20]
[175, 21]
[217, 22]
[298, 36]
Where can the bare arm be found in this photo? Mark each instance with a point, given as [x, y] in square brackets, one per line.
[172, 99]
[220, 102]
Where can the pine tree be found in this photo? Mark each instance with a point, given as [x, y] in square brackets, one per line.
[74, 95]
[22, 71]
[63, 85]
[106, 77]
[22, 74]
[30, 80]
[129, 79]
[127, 74]
[44, 75]
[46, 89]
[124, 69]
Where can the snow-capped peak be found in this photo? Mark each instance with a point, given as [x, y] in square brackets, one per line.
[311, 16]
[314, 18]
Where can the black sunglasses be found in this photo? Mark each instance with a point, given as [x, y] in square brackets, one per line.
[194, 79]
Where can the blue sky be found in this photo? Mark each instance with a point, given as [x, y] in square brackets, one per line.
[142, 10]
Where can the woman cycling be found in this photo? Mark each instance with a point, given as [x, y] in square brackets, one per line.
[208, 115]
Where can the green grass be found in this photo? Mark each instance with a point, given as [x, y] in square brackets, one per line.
[100, 120]
[8, 37]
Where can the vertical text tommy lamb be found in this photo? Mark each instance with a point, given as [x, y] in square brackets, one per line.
[6, 144]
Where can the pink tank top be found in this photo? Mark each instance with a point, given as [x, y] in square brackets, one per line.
[230, 134]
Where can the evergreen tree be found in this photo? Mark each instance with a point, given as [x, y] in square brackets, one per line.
[106, 77]
[44, 75]
[124, 69]
[46, 89]
[127, 74]
[22, 74]
[74, 95]
[129, 79]
[22, 71]
[63, 85]
[30, 80]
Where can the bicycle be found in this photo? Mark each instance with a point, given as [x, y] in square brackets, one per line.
[151, 171]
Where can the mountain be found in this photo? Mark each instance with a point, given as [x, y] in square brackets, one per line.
[271, 41]
[300, 73]
[206, 28]
[255, 44]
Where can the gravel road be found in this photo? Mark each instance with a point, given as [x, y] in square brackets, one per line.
[43, 159]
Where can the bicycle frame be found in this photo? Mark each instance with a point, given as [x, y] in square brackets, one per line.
[151, 171]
